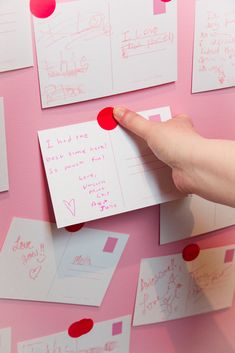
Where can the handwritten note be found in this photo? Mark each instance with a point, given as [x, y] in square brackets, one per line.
[15, 35]
[47, 264]
[4, 184]
[214, 51]
[192, 216]
[102, 172]
[170, 288]
[5, 340]
[107, 336]
[84, 51]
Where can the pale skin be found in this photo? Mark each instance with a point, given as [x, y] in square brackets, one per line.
[201, 166]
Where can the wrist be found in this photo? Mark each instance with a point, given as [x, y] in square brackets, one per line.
[188, 164]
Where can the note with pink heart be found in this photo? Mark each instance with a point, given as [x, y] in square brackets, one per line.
[101, 171]
[47, 264]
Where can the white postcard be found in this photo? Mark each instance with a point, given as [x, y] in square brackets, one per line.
[170, 288]
[5, 340]
[85, 51]
[47, 264]
[4, 183]
[94, 173]
[15, 35]
[214, 52]
[106, 336]
[191, 216]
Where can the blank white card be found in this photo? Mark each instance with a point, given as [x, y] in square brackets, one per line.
[191, 216]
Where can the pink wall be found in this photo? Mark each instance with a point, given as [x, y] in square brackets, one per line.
[213, 115]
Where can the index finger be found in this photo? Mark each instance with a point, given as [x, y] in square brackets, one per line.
[133, 121]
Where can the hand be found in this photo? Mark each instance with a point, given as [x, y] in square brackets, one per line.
[173, 142]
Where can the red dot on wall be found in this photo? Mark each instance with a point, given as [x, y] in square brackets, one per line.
[75, 227]
[80, 328]
[165, 0]
[191, 252]
[42, 8]
[106, 119]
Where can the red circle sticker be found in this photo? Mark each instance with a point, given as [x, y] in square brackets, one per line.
[42, 8]
[80, 328]
[106, 119]
[75, 227]
[191, 252]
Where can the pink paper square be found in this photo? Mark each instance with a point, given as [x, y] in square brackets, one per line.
[117, 328]
[229, 254]
[159, 7]
[156, 117]
[110, 244]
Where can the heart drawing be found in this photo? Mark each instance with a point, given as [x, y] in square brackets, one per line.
[34, 272]
[71, 206]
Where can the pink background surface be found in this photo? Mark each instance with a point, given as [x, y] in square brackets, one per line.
[213, 114]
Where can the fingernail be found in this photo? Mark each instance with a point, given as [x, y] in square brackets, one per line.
[119, 112]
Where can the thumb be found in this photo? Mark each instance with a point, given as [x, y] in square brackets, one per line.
[133, 121]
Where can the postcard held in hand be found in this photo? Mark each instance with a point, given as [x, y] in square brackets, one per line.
[94, 173]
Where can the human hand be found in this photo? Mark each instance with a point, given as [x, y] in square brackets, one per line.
[173, 142]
